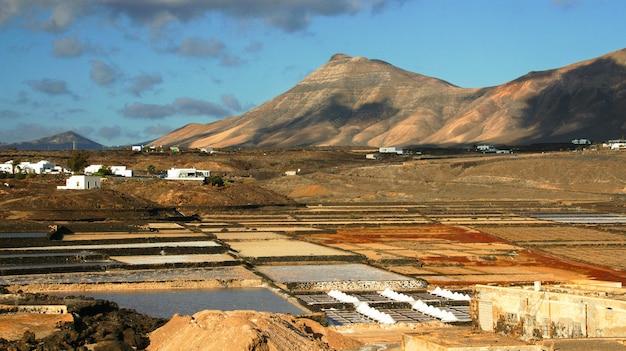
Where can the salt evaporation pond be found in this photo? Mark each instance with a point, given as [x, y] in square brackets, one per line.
[165, 303]
[23, 235]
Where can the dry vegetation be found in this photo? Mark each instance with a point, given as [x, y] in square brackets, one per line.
[256, 178]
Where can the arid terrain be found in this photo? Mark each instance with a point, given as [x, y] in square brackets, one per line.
[450, 218]
[333, 175]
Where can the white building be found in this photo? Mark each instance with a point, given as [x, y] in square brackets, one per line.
[121, 171]
[391, 150]
[37, 168]
[187, 174]
[7, 167]
[40, 167]
[486, 148]
[81, 182]
[91, 169]
[581, 142]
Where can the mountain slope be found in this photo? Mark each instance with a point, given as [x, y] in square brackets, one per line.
[356, 101]
[64, 141]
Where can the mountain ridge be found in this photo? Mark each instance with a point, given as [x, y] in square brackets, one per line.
[355, 101]
[69, 140]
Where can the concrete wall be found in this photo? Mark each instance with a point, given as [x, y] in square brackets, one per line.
[529, 313]
[410, 343]
[81, 182]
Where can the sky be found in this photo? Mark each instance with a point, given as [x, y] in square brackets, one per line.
[122, 72]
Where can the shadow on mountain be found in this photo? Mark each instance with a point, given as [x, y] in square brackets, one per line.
[319, 126]
[585, 102]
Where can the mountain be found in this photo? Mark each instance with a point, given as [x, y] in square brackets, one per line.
[358, 101]
[64, 141]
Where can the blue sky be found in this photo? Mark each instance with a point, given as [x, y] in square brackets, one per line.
[124, 71]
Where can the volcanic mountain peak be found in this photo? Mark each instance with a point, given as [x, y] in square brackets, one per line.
[64, 141]
[359, 71]
[358, 101]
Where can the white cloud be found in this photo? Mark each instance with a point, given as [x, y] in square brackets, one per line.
[196, 107]
[181, 106]
[289, 15]
[103, 74]
[49, 86]
[109, 133]
[67, 47]
[197, 47]
[72, 47]
[144, 82]
[139, 110]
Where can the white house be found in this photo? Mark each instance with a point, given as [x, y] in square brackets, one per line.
[37, 168]
[121, 171]
[581, 142]
[187, 174]
[40, 167]
[7, 167]
[136, 147]
[81, 182]
[91, 169]
[486, 148]
[391, 150]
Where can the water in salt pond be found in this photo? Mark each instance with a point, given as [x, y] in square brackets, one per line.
[165, 303]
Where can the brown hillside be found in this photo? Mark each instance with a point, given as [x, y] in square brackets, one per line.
[357, 101]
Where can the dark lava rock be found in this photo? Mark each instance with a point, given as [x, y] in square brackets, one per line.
[96, 322]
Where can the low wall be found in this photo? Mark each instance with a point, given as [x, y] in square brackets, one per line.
[358, 285]
[41, 309]
[540, 313]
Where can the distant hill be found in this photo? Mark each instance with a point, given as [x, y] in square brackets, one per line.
[358, 101]
[64, 141]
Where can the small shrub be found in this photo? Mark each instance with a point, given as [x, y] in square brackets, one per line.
[214, 180]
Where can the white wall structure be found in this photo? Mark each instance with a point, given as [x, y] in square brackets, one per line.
[91, 169]
[391, 150]
[40, 167]
[7, 167]
[81, 182]
[37, 168]
[562, 311]
[486, 148]
[187, 174]
[121, 171]
[581, 142]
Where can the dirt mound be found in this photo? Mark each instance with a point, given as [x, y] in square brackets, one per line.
[246, 330]
[183, 194]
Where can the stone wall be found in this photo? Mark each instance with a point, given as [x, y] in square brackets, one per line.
[530, 313]
[358, 285]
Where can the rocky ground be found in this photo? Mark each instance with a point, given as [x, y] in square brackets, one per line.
[95, 325]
